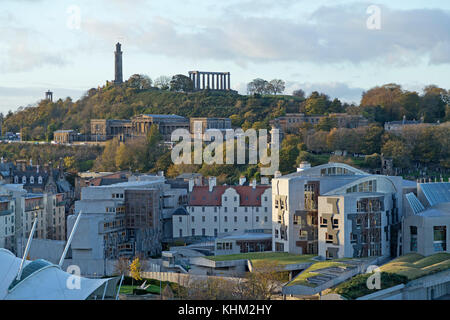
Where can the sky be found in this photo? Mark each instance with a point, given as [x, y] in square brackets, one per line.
[337, 47]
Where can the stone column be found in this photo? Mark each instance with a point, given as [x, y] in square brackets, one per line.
[207, 82]
[217, 79]
[203, 81]
[229, 81]
[198, 81]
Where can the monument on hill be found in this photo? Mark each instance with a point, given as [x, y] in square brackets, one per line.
[118, 65]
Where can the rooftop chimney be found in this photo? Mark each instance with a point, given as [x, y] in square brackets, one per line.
[191, 184]
[212, 183]
[242, 180]
[254, 183]
[264, 180]
[277, 174]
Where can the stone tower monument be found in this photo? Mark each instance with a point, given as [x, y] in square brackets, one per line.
[118, 65]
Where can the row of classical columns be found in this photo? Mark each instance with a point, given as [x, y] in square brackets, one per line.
[210, 80]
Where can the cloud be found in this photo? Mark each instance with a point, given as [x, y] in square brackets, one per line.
[20, 51]
[340, 90]
[331, 34]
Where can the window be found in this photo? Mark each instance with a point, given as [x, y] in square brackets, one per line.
[193, 219]
[181, 233]
[225, 230]
[203, 209]
[180, 219]
[246, 209]
[266, 219]
[203, 232]
[257, 209]
[276, 233]
[257, 219]
[215, 209]
[413, 238]
[24, 180]
[265, 209]
[440, 238]
[31, 179]
[193, 232]
[225, 219]
[235, 199]
[215, 232]
[215, 218]
[40, 180]
[246, 219]
[225, 209]
[235, 219]
[203, 218]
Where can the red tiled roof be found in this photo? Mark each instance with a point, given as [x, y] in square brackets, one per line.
[200, 195]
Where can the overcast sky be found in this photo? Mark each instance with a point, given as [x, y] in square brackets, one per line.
[67, 45]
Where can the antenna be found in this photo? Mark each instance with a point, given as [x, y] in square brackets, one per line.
[27, 248]
[69, 241]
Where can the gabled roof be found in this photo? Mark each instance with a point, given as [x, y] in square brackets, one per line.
[201, 196]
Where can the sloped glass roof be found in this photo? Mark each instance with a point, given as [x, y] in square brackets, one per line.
[437, 192]
[29, 270]
[415, 203]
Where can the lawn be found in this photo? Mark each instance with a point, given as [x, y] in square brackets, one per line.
[301, 279]
[280, 258]
[127, 289]
[416, 266]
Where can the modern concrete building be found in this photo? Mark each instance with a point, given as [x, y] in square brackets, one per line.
[7, 223]
[213, 210]
[337, 211]
[426, 226]
[123, 219]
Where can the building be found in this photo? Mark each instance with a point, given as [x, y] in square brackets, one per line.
[42, 280]
[292, 121]
[138, 126]
[123, 219]
[211, 123]
[213, 210]
[337, 211]
[7, 223]
[95, 179]
[65, 136]
[210, 80]
[426, 226]
[243, 242]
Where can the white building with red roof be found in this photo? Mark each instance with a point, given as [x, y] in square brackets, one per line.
[214, 210]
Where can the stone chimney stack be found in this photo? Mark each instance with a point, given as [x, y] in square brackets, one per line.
[191, 184]
[277, 174]
[211, 183]
[254, 183]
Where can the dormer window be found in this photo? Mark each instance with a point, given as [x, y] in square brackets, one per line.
[16, 179]
[24, 180]
[40, 180]
[31, 179]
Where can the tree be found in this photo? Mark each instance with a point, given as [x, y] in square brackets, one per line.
[371, 142]
[162, 82]
[139, 81]
[263, 282]
[276, 86]
[397, 150]
[135, 269]
[181, 83]
[121, 266]
[258, 86]
[299, 93]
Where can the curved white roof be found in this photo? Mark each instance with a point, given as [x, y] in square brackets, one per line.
[316, 171]
[343, 189]
[41, 280]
